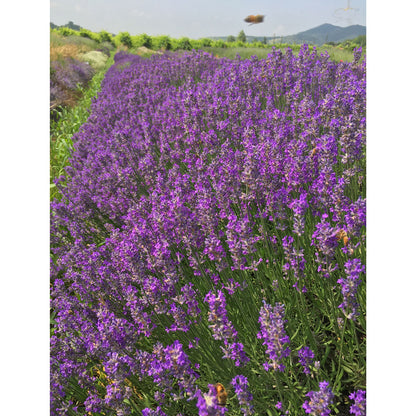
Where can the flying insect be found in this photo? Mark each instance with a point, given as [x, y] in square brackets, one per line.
[254, 19]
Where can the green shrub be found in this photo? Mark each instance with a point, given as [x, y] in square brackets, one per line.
[184, 44]
[219, 44]
[205, 42]
[104, 36]
[142, 40]
[162, 42]
[125, 39]
[65, 31]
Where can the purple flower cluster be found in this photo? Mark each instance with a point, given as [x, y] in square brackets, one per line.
[240, 384]
[273, 333]
[295, 260]
[169, 365]
[223, 329]
[207, 403]
[360, 403]
[319, 402]
[306, 357]
[188, 166]
[65, 77]
[349, 287]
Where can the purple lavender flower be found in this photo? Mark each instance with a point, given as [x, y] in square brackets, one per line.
[295, 260]
[207, 403]
[319, 401]
[299, 207]
[360, 403]
[349, 287]
[273, 333]
[220, 324]
[325, 240]
[172, 364]
[240, 384]
[187, 165]
[235, 351]
[149, 412]
[306, 357]
[223, 329]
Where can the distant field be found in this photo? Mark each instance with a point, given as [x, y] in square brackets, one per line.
[335, 53]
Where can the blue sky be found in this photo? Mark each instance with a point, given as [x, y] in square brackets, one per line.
[200, 18]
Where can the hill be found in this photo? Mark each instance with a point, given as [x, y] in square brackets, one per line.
[326, 33]
[315, 36]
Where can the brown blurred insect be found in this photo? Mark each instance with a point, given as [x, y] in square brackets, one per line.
[254, 19]
[221, 394]
[342, 235]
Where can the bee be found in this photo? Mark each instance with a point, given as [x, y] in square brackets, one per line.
[342, 235]
[254, 19]
[221, 394]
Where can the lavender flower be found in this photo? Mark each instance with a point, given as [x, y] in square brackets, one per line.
[349, 288]
[223, 329]
[299, 207]
[185, 167]
[207, 403]
[273, 333]
[325, 240]
[244, 396]
[149, 412]
[319, 401]
[306, 357]
[295, 260]
[220, 324]
[360, 403]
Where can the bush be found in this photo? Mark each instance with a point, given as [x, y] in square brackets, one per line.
[104, 36]
[213, 231]
[65, 78]
[125, 39]
[183, 44]
[143, 40]
[65, 31]
[204, 42]
[219, 44]
[162, 42]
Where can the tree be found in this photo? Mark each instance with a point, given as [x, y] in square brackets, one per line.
[125, 39]
[242, 37]
[145, 40]
[231, 38]
[105, 36]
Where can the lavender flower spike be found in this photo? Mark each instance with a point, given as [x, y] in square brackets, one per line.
[272, 331]
[244, 396]
[306, 357]
[360, 402]
[319, 401]
[349, 288]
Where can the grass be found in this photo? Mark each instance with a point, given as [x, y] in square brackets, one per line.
[335, 52]
[69, 47]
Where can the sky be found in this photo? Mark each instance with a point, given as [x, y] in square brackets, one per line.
[204, 18]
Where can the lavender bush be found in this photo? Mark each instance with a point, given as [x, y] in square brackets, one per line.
[66, 76]
[212, 229]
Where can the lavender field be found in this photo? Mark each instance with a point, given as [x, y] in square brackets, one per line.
[210, 228]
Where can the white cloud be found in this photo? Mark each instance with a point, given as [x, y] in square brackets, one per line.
[280, 30]
[136, 12]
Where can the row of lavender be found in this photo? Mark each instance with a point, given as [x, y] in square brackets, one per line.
[212, 229]
[66, 76]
